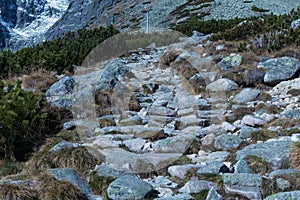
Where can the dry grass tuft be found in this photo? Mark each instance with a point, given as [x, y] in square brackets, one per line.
[82, 159]
[17, 192]
[52, 189]
[295, 156]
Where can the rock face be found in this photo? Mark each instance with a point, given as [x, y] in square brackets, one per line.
[280, 69]
[128, 187]
[26, 21]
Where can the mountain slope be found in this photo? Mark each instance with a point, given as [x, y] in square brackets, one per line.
[25, 21]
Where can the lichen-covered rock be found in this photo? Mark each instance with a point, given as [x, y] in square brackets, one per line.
[227, 141]
[282, 172]
[247, 185]
[129, 187]
[280, 69]
[275, 153]
[210, 168]
[293, 195]
[242, 167]
[230, 62]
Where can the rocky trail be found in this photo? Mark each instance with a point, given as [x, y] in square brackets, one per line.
[169, 126]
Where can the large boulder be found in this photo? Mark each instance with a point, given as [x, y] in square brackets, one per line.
[129, 187]
[230, 62]
[275, 153]
[59, 94]
[280, 69]
[111, 75]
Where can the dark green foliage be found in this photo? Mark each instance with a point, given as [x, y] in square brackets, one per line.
[206, 27]
[57, 55]
[275, 31]
[21, 120]
[25, 120]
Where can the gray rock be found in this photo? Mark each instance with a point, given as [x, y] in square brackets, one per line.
[246, 131]
[295, 24]
[181, 170]
[282, 172]
[135, 145]
[64, 145]
[59, 94]
[222, 85]
[280, 69]
[128, 187]
[242, 167]
[111, 130]
[161, 111]
[228, 127]
[293, 195]
[69, 125]
[227, 141]
[230, 62]
[210, 168]
[71, 176]
[213, 195]
[292, 114]
[247, 185]
[105, 170]
[246, 180]
[177, 197]
[275, 153]
[196, 186]
[282, 184]
[139, 163]
[208, 141]
[111, 75]
[253, 121]
[142, 131]
[246, 95]
[161, 181]
[176, 144]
